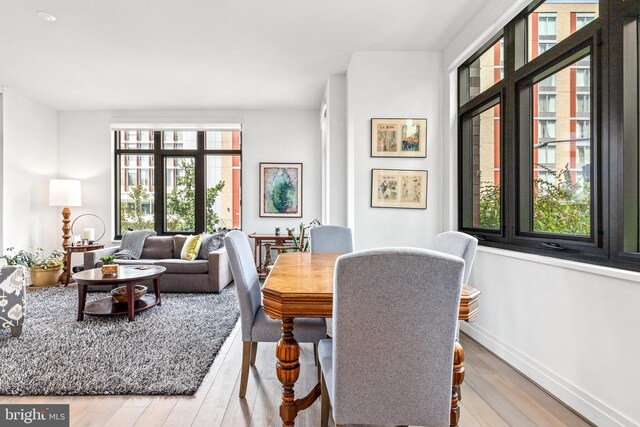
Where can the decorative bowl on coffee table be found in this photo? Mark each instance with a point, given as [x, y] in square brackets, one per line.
[119, 294]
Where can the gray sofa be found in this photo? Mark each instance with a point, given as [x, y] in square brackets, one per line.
[200, 275]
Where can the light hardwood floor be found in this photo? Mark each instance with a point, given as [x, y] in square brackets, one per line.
[493, 395]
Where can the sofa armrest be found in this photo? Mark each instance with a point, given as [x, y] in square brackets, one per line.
[92, 258]
[219, 269]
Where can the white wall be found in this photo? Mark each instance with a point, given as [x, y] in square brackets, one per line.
[334, 155]
[268, 136]
[570, 327]
[393, 85]
[29, 161]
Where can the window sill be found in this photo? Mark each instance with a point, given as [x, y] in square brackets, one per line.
[617, 273]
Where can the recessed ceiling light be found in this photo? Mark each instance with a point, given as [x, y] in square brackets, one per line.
[43, 14]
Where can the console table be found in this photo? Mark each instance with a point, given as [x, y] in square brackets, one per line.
[266, 241]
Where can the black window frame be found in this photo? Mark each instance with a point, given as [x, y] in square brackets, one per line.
[159, 154]
[611, 110]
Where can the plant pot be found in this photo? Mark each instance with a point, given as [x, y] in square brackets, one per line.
[110, 270]
[45, 277]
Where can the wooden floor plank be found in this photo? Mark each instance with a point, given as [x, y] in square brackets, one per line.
[126, 416]
[491, 364]
[157, 412]
[494, 394]
[240, 411]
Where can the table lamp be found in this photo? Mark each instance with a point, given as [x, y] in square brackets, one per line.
[65, 193]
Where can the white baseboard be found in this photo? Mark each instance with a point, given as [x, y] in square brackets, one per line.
[579, 400]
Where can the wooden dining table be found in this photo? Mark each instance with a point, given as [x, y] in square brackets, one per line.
[301, 285]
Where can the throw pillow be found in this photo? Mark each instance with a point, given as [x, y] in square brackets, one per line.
[210, 242]
[191, 248]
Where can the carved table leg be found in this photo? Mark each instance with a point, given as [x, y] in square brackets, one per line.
[267, 256]
[288, 370]
[458, 378]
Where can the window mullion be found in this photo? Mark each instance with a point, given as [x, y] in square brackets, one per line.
[200, 185]
[159, 182]
[515, 53]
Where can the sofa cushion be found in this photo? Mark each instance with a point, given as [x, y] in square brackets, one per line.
[178, 244]
[158, 247]
[181, 266]
[191, 248]
[210, 243]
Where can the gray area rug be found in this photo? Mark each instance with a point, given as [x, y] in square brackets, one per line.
[167, 350]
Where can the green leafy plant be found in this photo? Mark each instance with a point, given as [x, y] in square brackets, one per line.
[560, 206]
[34, 258]
[181, 202]
[132, 215]
[108, 260]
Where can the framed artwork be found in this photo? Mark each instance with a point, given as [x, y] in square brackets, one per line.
[281, 190]
[395, 188]
[398, 137]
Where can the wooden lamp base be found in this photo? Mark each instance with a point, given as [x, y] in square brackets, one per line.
[66, 228]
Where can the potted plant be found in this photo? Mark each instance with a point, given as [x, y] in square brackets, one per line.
[109, 267]
[44, 270]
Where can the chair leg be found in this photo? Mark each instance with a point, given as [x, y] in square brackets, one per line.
[324, 410]
[16, 331]
[315, 353]
[254, 352]
[244, 374]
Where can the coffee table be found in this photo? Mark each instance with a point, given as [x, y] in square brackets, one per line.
[128, 275]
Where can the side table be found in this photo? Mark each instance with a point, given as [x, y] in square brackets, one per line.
[266, 241]
[66, 274]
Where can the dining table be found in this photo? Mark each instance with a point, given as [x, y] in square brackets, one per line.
[300, 285]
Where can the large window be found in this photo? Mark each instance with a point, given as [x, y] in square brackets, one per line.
[543, 172]
[177, 181]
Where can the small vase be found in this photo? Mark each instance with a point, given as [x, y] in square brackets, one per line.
[110, 270]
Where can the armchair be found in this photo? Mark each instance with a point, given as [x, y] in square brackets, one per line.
[12, 298]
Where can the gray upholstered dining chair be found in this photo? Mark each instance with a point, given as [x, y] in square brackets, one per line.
[331, 239]
[390, 360]
[459, 244]
[256, 325]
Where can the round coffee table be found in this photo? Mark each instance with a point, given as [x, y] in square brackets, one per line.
[128, 275]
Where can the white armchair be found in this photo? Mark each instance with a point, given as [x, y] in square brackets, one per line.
[12, 297]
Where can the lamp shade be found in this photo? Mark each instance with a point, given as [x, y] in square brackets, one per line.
[64, 192]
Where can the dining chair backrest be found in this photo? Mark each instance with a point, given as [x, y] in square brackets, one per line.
[459, 244]
[245, 277]
[394, 324]
[331, 239]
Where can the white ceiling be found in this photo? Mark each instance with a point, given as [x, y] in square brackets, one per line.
[126, 54]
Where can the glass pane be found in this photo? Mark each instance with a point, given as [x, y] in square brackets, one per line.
[487, 70]
[222, 140]
[562, 154]
[486, 169]
[555, 20]
[136, 193]
[223, 192]
[136, 139]
[180, 194]
[179, 140]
